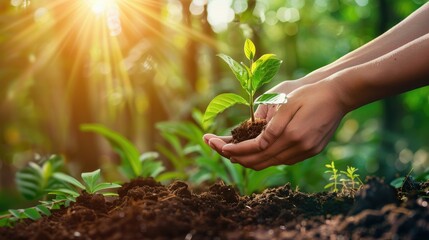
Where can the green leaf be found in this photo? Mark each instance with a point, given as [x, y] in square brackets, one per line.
[68, 179]
[47, 170]
[397, 183]
[16, 213]
[128, 152]
[171, 176]
[32, 213]
[110, 194]
[103, 186]
[329, 185]
[239, 71]
[63, 192]
[249, 49]
[4, 222]
[271, 98]
[43, 209]
[91, 179]
[219, 104]
[264, 70]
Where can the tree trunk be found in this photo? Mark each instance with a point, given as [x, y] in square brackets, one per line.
[392, 108]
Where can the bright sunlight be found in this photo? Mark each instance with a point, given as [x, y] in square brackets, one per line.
[100, 6]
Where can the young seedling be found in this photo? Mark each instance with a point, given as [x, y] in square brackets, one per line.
[62, 192]
[333, 178]
[352, 181]
[91, 186]
[251, 78]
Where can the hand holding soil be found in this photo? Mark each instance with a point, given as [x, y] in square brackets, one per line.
[298, 130]
[303, 127]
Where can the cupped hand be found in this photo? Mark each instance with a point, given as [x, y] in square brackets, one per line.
[263, 112]
[298, 130]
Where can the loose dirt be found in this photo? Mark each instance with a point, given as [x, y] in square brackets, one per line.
[145, 209]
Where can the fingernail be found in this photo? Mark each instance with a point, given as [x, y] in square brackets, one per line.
[211, 144]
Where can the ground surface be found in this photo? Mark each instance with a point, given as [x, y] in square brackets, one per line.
[146, 209]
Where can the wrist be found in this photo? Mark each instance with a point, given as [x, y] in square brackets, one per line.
[349, 86]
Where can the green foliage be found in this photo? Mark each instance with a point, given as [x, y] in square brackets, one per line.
[334, 175]
[350, 179]
[251, 78]
[399, 182]
[65, 192]
[133, 164]
[91, 180]
[191, 158]
[197, 162]
[33, 180]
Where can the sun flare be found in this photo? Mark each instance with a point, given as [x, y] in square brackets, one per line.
[100, 6]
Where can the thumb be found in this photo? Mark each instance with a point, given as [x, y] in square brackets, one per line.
[276, 126]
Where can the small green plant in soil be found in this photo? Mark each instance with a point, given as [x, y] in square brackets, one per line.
[65, 191]
[334, 175]
[133, 164]
[251, 78]
[350, 179]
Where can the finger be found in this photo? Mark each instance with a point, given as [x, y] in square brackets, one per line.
[266, 112]
[209, 136]
[294, 155]
[261, 111]
[269, 156]
[261, 142]
[276, 126]
[288, 157]
[247, 147]
[217, 145]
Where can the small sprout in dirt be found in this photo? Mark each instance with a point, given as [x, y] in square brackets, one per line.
[352, 181]
[63, 194]
[333, 178]
[251, 78]
[91, 180]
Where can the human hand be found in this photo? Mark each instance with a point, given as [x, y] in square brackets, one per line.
[298, 130]
[263, 112]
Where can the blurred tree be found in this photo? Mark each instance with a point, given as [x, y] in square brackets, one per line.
[392, 107]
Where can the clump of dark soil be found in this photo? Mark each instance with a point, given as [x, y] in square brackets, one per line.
[145, 209]
[248, 130]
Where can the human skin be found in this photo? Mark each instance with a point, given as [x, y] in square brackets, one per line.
[395, 62]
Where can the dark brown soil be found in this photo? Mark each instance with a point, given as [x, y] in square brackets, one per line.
[248, 130]
[146, 209]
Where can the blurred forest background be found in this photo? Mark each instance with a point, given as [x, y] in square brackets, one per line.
[131, 64]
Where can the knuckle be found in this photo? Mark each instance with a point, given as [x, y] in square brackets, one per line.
[295, 137]
[270, 132]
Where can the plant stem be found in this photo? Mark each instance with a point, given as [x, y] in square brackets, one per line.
[252, 114]
[251, 93]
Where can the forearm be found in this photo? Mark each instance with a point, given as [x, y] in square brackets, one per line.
[411, 28]
[398, 71]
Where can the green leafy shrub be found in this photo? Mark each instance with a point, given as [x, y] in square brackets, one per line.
[33, 180]
[66, 191]
[133, 164]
